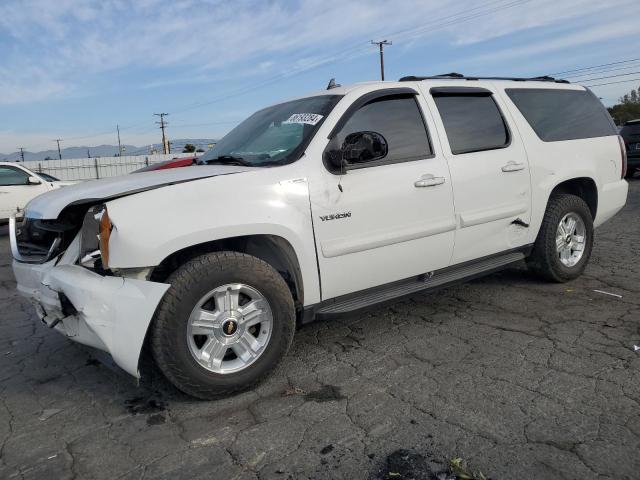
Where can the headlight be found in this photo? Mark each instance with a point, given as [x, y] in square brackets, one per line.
[94, 237]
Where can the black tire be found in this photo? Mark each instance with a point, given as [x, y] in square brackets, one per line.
[544, 259]
[630, 172]
[189, 284]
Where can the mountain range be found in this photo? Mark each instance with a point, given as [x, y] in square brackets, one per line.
[106, 150]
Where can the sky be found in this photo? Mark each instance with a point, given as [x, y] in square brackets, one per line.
[74, 69]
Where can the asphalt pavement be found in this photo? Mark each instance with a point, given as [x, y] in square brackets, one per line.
[519, 378]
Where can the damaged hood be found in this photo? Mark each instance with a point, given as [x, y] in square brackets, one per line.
[50, 204]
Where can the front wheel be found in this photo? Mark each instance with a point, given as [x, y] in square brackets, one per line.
[224, 324]
[563, 246]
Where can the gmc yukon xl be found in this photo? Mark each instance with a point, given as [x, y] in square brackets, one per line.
[319, 206]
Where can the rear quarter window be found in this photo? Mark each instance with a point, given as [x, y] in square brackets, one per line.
[557, 115]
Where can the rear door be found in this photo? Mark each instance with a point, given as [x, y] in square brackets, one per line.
[489, 171]
[389, 219]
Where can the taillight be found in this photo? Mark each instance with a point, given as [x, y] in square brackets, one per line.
[623, 155]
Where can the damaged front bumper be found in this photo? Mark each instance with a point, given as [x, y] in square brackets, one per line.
[106, 312]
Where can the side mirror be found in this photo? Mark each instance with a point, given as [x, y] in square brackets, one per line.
[363, 147]
[33, 181]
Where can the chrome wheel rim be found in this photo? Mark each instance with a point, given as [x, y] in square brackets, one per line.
[571, 238]
[229, 328]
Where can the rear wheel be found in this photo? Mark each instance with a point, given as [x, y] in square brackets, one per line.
[563, 247]
[225, 323]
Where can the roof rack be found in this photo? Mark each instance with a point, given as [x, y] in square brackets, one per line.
[459, 76]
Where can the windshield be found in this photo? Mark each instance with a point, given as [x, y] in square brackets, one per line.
[273, 136]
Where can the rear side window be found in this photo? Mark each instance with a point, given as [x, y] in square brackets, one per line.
[557, 115]
[399, 121]
[473, 122]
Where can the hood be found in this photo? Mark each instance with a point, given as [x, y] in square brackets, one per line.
[50, 204]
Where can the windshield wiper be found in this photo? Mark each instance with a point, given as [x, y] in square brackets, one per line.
[228, 160]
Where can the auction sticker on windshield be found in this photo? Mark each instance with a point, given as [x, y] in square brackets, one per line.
[308, 118]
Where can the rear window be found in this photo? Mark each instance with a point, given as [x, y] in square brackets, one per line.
[473, 122]
[557, 115]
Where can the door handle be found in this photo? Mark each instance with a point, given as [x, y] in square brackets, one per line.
[428, 181]
[513, 167]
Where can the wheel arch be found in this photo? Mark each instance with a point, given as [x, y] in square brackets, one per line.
[583, 187]
[273, 249]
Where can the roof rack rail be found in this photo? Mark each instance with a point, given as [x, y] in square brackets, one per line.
[459, 76]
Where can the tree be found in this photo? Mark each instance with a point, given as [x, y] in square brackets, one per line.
[627, 108]
[189, 148]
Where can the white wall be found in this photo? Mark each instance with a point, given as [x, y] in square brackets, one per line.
[92, 168]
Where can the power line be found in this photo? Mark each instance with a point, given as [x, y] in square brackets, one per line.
[595, 66]
[435, 24]
[604, 70]
[609, 76]
[613, 83]
[430, 26]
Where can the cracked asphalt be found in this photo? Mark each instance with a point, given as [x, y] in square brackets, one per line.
[522, 379]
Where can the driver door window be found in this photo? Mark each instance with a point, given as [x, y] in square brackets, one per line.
[399, 121]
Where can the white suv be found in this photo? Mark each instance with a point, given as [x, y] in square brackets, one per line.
[320, 206]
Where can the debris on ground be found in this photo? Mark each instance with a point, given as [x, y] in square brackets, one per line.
[48, 413]
[636, 348]
[293, 391]
[458, 468]
[407, 465]
[608, 293]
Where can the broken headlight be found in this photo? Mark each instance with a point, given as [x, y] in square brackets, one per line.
[94, 237]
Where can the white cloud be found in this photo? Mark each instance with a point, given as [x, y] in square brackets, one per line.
[71, 40]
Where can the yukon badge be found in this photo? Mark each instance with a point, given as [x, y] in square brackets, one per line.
[335, 216]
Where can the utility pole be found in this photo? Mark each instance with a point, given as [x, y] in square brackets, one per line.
[21, 153]
[59, 152]
[163, 124]
[119, 145]
[381, 45]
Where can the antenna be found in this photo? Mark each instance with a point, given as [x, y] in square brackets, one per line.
[333, 84]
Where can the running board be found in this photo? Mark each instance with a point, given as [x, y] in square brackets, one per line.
[429, 281]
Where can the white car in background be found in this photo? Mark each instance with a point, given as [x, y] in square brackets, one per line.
[18, 185]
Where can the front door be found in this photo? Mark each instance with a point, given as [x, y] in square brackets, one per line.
[489, 171]
[388, 219]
